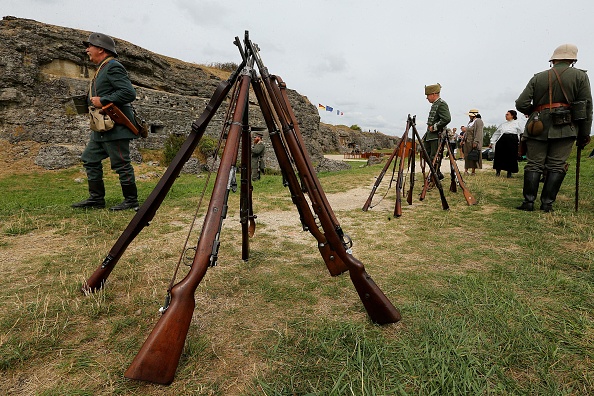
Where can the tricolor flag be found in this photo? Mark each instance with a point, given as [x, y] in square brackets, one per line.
[338, 112]
[321, 106]
[328, 108]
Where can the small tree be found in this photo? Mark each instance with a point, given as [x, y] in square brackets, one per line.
[488, 132]
[356, 127]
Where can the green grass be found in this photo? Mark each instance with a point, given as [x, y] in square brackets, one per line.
[493, 300]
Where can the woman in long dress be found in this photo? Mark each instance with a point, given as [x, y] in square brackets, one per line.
[504, 143]
[473, 138]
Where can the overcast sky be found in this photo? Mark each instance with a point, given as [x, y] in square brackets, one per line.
[369, 59]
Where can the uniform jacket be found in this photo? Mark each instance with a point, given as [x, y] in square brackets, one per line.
[258, 155]
[576, 85]
[474, 136]
[113, 85]
[439, 117]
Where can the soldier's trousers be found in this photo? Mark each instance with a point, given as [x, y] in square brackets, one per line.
[431, 146]
[118, 152]
[548, 154]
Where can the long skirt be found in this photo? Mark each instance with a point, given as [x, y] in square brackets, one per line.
[506, 153]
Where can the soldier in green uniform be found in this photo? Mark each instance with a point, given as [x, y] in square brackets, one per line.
[559, 104]
[439, 118]
[110, 84]
[257, 156]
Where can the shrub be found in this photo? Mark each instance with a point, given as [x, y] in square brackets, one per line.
[171, 146]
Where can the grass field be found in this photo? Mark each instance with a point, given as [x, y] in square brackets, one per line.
[493, 300]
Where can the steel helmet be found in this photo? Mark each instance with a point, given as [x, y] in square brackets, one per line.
[565, 51]
[103, 41]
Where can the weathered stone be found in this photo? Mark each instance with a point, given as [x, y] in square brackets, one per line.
[43, 66]
[330, 165]
[54, 156]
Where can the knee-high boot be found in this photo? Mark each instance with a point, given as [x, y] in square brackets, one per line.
[531, 180]
[550, 189]
[96, 196]
[130, 198]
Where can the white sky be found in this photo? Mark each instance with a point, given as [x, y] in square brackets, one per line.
[368, 58]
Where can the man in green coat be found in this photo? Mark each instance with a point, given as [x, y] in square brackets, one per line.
[439, 118]
[559, 104]
[110, 84]
[257, 162]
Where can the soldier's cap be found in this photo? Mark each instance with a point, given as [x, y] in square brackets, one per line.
[258, 134]
[102, 41]
[432, 89]
[473, 112]
[565, 51]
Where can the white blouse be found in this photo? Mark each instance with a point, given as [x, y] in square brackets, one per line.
[512, 127]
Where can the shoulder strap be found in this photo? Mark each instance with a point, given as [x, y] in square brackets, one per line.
[560, 84]
[92, 83]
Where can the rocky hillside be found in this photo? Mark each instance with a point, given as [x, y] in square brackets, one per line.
[42, 66]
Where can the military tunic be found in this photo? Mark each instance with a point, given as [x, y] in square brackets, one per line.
[439, 118]
[112, 85]
[550, 149]
[257, 161]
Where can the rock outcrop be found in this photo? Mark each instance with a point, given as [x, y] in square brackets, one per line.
[42, 66]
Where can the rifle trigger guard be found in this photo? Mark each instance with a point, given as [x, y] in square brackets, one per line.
[347, 242]
[189, 259]
[166, 303]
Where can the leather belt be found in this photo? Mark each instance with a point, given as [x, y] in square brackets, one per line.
[550, 106]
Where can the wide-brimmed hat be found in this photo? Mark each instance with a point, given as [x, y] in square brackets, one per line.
[473, 112]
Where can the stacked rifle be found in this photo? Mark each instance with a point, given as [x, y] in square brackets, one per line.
[407, 149]
[159, 356]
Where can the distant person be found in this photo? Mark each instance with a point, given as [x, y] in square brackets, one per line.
[452, 140]
[258, 150]
[439, 118]
[460, 144]
[559, 102]
[110, 84]
[504, 143]
[473, 139]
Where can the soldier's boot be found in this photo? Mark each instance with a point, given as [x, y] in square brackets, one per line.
[96, 196]
[531, 180]
[130, 198]
[550, 189]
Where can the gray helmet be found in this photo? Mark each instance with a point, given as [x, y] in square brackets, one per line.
[565, 51]
[103, 41]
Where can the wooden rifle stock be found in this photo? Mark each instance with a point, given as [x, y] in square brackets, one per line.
[333, 262]
[159, 356]
[377, 305]
[378, 181]
[467, 195]
[432, 172]
[147, 211]
[399, 184]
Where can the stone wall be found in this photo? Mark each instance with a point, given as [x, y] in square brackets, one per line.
[42, 66]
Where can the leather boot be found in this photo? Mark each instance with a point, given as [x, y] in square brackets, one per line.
[130, 198]
[531, 180]
[550, 189]
[96, 196]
